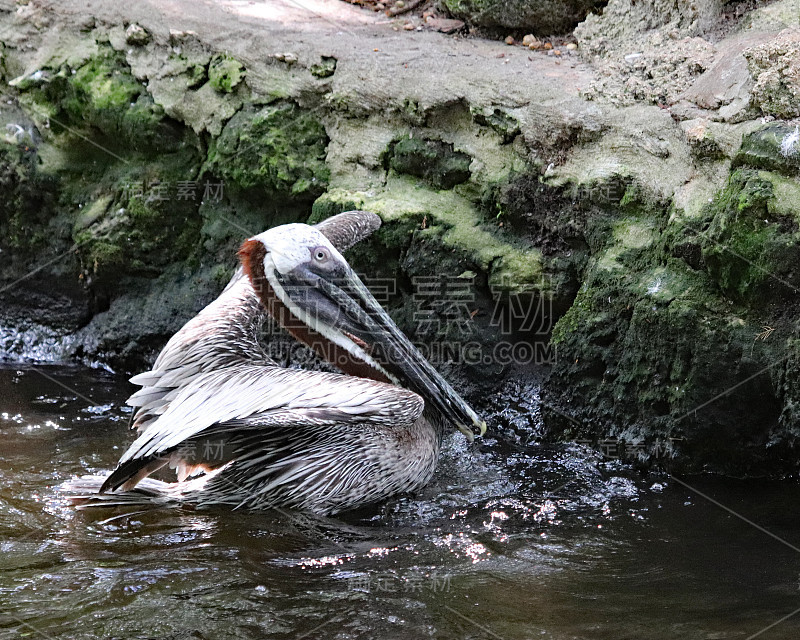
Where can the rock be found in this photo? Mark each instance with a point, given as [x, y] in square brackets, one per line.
[656, 74]
[543, 18]
[502, 122]
[645, 346]
[279, 148]
[445, 25]
[775, 147]
[775, 67]
[325, 68]
[725, 85]
[701, 139]
[432, 160]
[137, 35]
[627, 23]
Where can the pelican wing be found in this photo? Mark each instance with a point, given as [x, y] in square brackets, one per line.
[252, 398]
[225, 332]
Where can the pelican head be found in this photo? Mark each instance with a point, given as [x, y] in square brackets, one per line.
[295, 268]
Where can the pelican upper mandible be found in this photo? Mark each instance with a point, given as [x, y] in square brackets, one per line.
[245, 432]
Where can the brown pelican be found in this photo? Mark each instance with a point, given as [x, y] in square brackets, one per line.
[245, 432]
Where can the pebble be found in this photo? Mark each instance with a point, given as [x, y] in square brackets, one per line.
[509, 40]
[632, 57]
[547, 45]
[530, 39]
[572, 46]
[408, 26]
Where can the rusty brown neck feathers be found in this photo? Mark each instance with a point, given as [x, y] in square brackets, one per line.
[251, 255]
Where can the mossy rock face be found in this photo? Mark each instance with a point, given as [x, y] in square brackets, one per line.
[103, 94]
[751, 252]
[225, 73]
[27, 203]
[672, 314]
[432, 160]
[640, 358]
[280, 148]
[138, 236]
[775, 147]
[546, 17]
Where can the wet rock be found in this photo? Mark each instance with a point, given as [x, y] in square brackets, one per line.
[775, 146]
[541, 18]
[752, 249]
[655, 281]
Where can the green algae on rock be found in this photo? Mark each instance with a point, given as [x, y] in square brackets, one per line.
[225, 73]
[670, 317]
[280, 147]
[750, 253]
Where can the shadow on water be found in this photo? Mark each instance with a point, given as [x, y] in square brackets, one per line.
[511, 540]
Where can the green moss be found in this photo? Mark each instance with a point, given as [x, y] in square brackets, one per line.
[27, 202]
[137, 235]
[225, 73]
[434, 161]
[454, 226]
[102, 94]
[750, 254]
[279, 147]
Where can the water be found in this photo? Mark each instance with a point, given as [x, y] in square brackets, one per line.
[512, 540]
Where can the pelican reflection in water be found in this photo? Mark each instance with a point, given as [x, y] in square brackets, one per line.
[240, 430]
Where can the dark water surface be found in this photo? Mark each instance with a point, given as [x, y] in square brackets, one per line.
[510, 541]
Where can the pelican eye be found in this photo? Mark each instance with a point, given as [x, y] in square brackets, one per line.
[321, 254]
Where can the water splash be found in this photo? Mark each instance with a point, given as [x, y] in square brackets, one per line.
[789, 143]
[34, 343]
